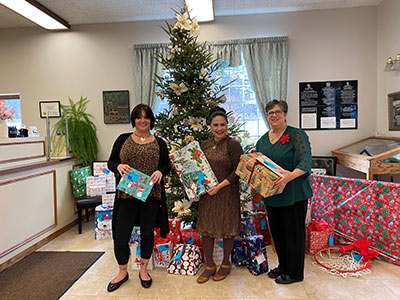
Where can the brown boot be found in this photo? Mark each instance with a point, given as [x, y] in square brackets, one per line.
[209, 271]
[223, 271]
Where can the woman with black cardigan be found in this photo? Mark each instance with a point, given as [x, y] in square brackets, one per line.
[149, 154]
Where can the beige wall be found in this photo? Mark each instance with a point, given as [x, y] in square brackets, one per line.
[323, 45]
[388, 44]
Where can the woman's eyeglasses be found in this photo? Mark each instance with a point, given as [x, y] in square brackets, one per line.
[271, 113]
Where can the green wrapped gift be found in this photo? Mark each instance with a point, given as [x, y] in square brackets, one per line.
[78, 180]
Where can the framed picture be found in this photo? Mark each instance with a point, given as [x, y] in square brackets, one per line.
[116, 107]
[394, 111]
[51, 108]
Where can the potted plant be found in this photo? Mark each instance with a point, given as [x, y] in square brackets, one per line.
[82, 137]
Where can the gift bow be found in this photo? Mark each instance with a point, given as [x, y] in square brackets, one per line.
[362, 247]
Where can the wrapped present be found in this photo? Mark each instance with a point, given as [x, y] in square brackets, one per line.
[260, 221]
[108, 199]
[218, 253]
[136, 260]
[238, 252]
[136, 184]
[186, 260]
[103, 216]
[110, 182]
[175, 228]
[95, 186]
[248, 227]
[162, 253]
[317, 236]
[135, 235]
[190, 233]
[194, 170]
[78, 180]
[100, 168]
[260, 172]
[256, 254]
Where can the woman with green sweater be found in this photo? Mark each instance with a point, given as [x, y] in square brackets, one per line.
[290, 148]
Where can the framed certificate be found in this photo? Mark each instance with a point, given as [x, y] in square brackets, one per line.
[50, 108]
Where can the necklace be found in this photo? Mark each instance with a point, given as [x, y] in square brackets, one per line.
[275, 137]
[142, 138]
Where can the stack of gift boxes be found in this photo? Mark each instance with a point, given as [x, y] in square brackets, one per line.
[102, 183]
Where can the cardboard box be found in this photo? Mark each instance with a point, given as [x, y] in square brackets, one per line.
[260, 172]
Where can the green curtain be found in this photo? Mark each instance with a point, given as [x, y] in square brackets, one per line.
[266, 61]
[144, 68]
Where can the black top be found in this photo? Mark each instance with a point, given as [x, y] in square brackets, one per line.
[164, 167]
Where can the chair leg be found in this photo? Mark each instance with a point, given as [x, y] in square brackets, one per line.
[87, 214]
[79, 220]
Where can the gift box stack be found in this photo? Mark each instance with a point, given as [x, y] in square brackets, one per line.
[194, 170]
[259, 172]
[249, 248]
[102, 183]
[103, 217]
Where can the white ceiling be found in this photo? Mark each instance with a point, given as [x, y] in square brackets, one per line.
[109, 11]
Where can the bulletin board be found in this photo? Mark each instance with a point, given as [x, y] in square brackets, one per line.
[328, 105]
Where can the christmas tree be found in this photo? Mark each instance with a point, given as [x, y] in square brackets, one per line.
[191, 89]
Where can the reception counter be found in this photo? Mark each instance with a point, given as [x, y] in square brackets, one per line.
[36, 202]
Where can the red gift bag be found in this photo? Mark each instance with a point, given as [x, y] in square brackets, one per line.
[317, 236]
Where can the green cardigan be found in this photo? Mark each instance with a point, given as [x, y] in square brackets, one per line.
[291, 152]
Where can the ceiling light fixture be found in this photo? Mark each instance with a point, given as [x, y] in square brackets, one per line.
[202, 11]
[392, 64]
[37, 13]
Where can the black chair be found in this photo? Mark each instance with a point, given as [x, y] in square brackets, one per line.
[325, 162]
[86, 202]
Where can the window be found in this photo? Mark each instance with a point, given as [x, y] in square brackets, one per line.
[240, 99]
[12, 101]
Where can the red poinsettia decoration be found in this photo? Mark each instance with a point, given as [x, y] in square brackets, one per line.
[284, 138]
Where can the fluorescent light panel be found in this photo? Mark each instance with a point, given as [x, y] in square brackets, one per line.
[36, 13]
[201, 10]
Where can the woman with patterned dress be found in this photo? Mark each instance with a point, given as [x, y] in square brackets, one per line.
[149, 154]
[219, 209]
[290, 148]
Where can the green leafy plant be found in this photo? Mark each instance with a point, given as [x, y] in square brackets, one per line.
[83, 141]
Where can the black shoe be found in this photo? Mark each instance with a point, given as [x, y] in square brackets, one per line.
[146, 283]
[114, 286]
[274, 273]
[285, 279]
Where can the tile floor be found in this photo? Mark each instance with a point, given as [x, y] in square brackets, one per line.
[382, 283]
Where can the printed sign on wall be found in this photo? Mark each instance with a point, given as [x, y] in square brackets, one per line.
[327, 105]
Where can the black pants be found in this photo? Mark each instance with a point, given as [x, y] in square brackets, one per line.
[127, 213]
[288, 231]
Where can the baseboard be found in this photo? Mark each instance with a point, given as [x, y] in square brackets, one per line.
[38, 245]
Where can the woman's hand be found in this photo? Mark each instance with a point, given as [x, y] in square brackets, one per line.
[214, 190]
[123, 169]
[281, 182]
[156, 177]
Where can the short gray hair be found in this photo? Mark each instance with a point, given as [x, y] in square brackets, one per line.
[281, 103]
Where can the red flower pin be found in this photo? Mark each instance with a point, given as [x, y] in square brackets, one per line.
[284, 138]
